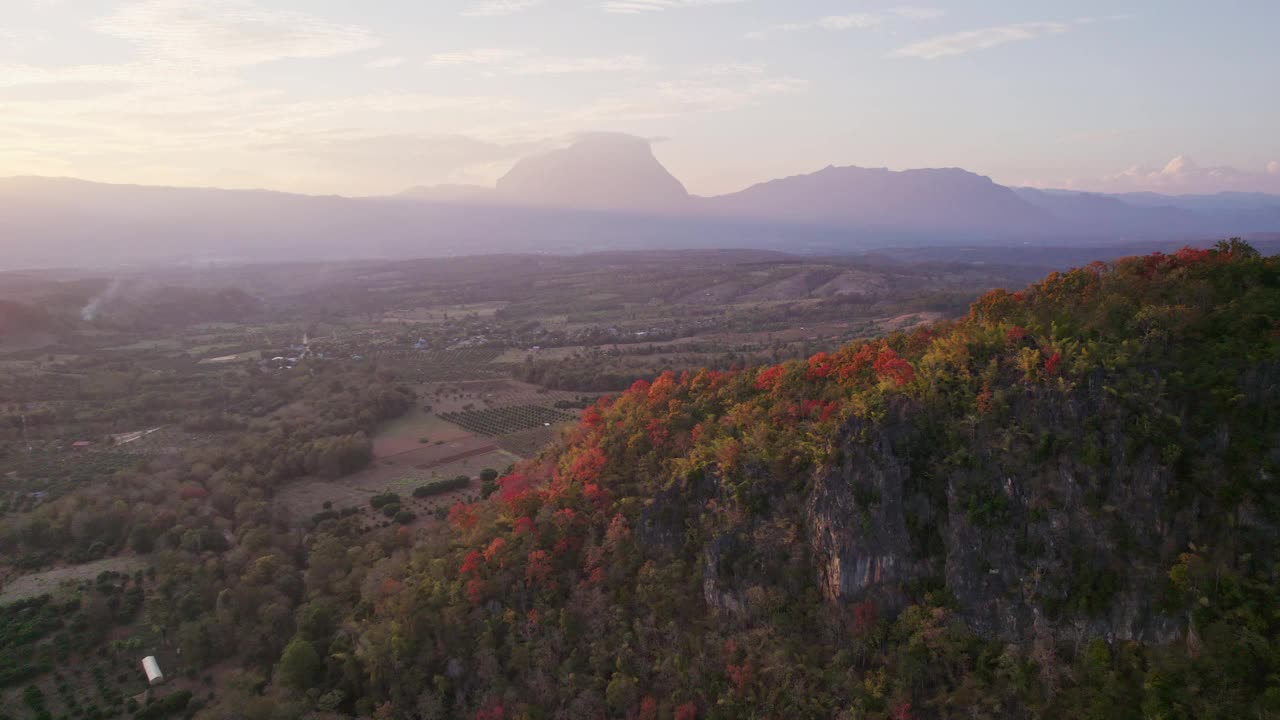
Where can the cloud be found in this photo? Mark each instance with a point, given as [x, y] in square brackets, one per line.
[182, 92]
[397, 161]
[723, 69]
[385, 62]
[499, 8]
[14, 43]
[477, 56]
[182, 107]
[635, 7]
[229, 33]
[12, 76]
[517, 62]
[695, 94]
[969, 40]
[918, 13]
[145, 123]
[565, 66]
[851, 21]
[1182, 175]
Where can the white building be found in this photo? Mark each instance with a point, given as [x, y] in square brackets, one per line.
[152, 668]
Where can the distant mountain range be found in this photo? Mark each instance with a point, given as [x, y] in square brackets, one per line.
[603, 192]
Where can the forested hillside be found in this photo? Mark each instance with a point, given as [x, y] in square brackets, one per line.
[1063, 505]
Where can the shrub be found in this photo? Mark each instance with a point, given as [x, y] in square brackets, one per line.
[379, 501]
[322, 516]
[164, 707]
[441, 486]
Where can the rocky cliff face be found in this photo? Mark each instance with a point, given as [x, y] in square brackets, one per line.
[1077, 547]
[857, 521]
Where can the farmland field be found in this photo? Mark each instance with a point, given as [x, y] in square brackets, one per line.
[518, 355]
[457, 364]
[454, 396]
[307, 497]
[507, 420]
[78, 651]
[49, 471]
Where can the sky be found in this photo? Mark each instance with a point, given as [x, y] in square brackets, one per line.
[363, 97]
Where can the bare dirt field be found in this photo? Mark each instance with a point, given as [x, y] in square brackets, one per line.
[906, 322]
[406, 434]
[528, 443]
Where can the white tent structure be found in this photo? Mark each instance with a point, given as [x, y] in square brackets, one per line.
[152, 668]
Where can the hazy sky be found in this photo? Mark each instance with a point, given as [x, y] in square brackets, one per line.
[372, 96]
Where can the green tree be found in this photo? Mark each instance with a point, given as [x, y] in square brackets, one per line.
[299, 665]
[488, 482]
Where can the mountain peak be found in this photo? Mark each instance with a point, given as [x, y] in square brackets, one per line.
[599, 171]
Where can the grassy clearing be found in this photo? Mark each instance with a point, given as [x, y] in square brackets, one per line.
[64, 578]
[399, 474]
[528, 443]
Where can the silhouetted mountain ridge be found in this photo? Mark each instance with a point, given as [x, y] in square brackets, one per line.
[603, 192]
[928, 199]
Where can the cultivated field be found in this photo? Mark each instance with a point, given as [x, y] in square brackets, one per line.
[457, 428]
[508, 420]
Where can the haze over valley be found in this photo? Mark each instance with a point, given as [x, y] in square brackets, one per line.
[602, 192]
